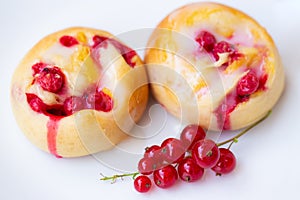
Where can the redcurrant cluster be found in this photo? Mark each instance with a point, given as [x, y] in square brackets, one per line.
[186, 157]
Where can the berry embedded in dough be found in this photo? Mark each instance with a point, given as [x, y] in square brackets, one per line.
[214, 65]
[78, 91]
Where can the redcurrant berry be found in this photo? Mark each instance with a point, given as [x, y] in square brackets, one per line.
[206, 153]
[221, 47]
[189, 171]
[247, 85]
[153, 151]
[172, 150]
[146, 166]
[206, 40]
[68, 41]
[165, 177]
[226, 163]
[191, 134]
[73, 104]
[142, 184]
[51, 79]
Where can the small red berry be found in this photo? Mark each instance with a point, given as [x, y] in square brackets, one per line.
[68, 41]
[221, 47]
[191, 134]
[189, 171]
[51, 79]
[36, 103]
[100, 101]
[73, 104]
[247, 85]
[154, 152]
[206, 153]
[172, 150]
[206, 40]
[38, 67]
[146, 166]
[165, 177]
[142, 184]
[226, 163]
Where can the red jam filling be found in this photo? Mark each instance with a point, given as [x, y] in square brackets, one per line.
[126, 52]
[68, 41]
[52, 79]
[247, 85]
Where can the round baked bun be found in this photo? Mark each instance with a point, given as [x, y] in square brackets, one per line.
[78, 91]
[214, 65]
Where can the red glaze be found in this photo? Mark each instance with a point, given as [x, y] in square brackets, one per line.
[230, 102]
[51, 79]
[206, 40]
[206, 153]
[226, 163]
[191, 134]
[68, 41]
[126, 52]
[142, 184]
[52, 127]
[165, 177]
[39, 106]
[189, 171]
[262, 82]
[97, 40]
[247, 85]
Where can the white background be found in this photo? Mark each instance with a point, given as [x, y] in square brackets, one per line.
[268, 157]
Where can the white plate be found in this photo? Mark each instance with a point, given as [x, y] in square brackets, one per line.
[268, 157]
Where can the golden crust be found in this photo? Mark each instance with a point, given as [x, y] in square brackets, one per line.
[86, 131]
[165, 50]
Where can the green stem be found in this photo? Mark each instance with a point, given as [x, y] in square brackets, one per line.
[234, 139]
[115, 177]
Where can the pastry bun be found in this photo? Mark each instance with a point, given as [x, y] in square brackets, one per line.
[78, 91]
[214, 65]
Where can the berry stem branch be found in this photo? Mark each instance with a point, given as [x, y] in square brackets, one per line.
[234, 139]
[115, 177]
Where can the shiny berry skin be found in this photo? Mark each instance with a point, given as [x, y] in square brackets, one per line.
[35, 103]
[38, 67]
[206, 153]
[73, 104]
[146, 166]
[226, 163]
[142, 184]
[206, 40]
[221, 47]
[100, 101]
[172, 150]
[153, 152]
[68, 41]
[191, 134]
[247, 85]
[189, 171]
[165, 177]
[51, 79]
